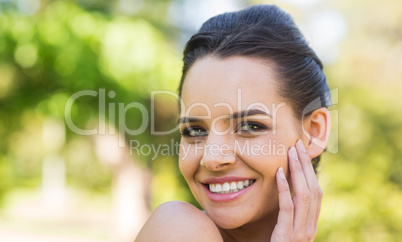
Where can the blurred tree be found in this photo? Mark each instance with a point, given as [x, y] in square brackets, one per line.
[62, 50]
[362, 183]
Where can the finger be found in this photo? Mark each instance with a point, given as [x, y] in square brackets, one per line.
[301, 198]
[286, 208]
[318, 208]
[314, 189]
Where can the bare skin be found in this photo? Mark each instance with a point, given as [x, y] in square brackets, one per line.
[266, 210]
[179, 221]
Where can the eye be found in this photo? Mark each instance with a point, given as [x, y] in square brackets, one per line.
[194, 132]
[251, 127]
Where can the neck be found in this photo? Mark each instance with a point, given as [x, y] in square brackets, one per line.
[260, 230]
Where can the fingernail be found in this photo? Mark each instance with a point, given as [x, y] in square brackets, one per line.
[293, 153]
[281, 173]
[300, 146]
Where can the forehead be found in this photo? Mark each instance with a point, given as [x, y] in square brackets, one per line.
[239, 82]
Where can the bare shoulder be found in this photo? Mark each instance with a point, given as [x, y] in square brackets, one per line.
[178, 221]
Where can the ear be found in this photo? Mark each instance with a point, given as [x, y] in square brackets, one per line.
[316, 131]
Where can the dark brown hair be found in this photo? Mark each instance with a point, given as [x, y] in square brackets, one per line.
[265, 32]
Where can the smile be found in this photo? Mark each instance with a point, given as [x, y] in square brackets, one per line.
[229, 187]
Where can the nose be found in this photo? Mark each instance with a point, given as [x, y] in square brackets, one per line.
[218, 153]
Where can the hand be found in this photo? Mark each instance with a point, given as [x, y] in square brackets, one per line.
[298, 216]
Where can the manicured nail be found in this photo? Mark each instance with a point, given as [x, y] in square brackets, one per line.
[293, 153]
[281, 173]
[300, 146]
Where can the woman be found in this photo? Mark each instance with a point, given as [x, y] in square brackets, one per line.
[253, 115]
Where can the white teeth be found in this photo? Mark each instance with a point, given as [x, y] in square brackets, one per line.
[230, 187]
[226, 187]
[233, 186]
[240, 185]
[246, 183]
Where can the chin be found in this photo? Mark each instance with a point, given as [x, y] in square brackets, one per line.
[232, 217]
[225, 223]
[229, 219]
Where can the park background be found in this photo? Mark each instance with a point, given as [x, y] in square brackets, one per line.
[57, 185]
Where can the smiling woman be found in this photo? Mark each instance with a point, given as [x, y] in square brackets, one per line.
[250, 81]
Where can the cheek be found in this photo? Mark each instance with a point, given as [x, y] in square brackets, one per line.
[267, 147]
[265, 154]
[188, 162]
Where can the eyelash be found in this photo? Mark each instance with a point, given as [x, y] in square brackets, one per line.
[257, 128]
[186, 132]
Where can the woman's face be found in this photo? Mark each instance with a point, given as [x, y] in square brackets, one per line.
[235, 130]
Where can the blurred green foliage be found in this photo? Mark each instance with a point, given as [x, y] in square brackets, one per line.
[363, 182]
[68, 47]
[63, 49]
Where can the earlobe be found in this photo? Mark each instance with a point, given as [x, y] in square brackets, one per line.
[318, 127]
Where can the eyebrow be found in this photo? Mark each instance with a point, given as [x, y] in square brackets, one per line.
[237, 115]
